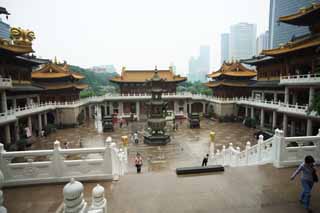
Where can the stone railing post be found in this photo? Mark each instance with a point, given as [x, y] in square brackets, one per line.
[115, 161]
[3, 162]
[99, 202]
[57, 160]
[223, 155]
[278, 140]
[73, 197]
[248, 146]
[260, 140]
[2, 208]
[230, 153]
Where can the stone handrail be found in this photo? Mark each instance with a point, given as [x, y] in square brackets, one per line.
[304, 76]
[279, 150]
[296, 79]
[59, 165]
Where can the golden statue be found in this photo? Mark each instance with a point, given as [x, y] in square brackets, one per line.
[21, 37]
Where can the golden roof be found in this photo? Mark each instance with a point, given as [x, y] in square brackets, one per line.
[304, 17]
[311, 41]
[235, 69]
[226, 83]
[54, 70]
[143, 75]
[55, 86]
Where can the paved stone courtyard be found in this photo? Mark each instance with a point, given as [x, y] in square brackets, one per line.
[254, 189]
[187, 146]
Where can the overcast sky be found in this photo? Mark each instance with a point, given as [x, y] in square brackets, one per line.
[132, 33]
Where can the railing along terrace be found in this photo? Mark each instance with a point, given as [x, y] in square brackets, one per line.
[305, 78]
[279, 150]
[292, 150]
[5, 82]
[59, 165]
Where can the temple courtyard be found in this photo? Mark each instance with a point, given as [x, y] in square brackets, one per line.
[158, 188]
[187, 146]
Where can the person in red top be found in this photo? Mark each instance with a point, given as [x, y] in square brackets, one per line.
[138, 162]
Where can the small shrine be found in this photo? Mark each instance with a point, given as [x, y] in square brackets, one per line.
[157, 109]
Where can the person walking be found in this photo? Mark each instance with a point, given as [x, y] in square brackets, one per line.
[205, 160]
[138, 162]
[308, 178]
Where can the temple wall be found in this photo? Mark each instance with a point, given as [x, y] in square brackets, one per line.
[69, 116]
[224, 109]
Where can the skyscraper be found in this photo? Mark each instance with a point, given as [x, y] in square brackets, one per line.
[262, 42]
[199, 67]
[224, 47]
[4, 30]
[242, 41]
[281, 32]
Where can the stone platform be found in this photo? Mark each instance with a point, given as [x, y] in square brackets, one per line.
[255, 189]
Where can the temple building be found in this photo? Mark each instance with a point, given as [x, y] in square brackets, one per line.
[16, 87]
[132, 81]
[231, 80]
[59, 83]
[289, 75]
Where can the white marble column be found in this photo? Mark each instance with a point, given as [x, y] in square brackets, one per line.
[39, 124]
[247, 113]
[111, 108]
[262, 118]
[262, 95]
[311, 95]
[285, 124]
[286, 95]
[17, 130]
[275, 97]
[309, 127]
[38, 99]
[203, 107]
[7, 138]
[45, 119]
[175, 106]
[274, 119]
[28, 101]
[252, 113]
[293, 128]
[138, 110]
[30, 123]
[120, 108]
[3, 102]
[185, 108]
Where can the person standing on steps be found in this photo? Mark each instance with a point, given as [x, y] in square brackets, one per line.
[308, 178]
[138, 162]
[205, 160]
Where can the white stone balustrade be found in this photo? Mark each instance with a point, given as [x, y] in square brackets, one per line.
[2, 208]
[279, 150]
[5, 83]
[73, 197]
[88, 164]
[306, 79]
[99, 201]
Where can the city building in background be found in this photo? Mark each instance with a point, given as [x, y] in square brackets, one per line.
[281, 33]
[103, 69]
[199, 67]
[4, 30]
[262, 42]
[242, 41]
[224, 47]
